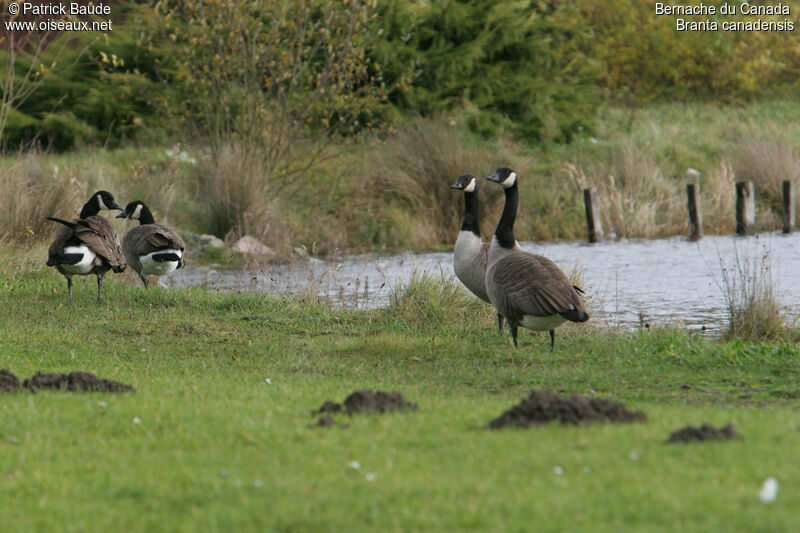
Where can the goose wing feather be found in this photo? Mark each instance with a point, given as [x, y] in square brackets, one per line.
[152, 237]
[97, 234]
[529, 284]
[63, 235]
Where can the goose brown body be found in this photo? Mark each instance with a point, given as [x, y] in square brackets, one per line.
[527, 286]
[529, 290]
[150, 248]
[88, 244]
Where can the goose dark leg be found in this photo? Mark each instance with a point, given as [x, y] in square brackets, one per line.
[513, 327]
[69, 287]
[144, 280]
[99, 288]
[552, 339]
[499, 322]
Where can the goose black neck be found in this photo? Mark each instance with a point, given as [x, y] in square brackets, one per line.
[505, 228]
[90, 209]
[145, 216]
[472, 221]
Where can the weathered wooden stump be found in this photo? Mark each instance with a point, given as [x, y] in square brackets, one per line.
[695, 215]
[745, 208]
[592, 215]
[788, 207]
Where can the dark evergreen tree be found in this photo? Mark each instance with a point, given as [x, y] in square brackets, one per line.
[521, 63]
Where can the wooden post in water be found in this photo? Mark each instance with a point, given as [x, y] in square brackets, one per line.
[788, 207]
[695, 215]
[745, 208]
[592, 215]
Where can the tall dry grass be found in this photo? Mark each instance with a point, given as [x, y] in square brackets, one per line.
[636, 197]
[412, 170]
[31, 190]
[767, 157]
[394, 194]
[754, 309]
[234, 184]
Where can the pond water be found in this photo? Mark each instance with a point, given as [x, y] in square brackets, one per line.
[664, 281]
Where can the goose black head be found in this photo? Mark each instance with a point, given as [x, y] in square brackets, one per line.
[133, 210]
[466, 183]
[100, 201]
[105, 201]
[137, 211]
[504, 176]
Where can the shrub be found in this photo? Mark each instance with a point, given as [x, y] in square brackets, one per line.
[645, 58]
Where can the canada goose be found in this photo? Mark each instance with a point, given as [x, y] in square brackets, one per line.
[527, 289]
[151, 249]
[471, 254]
[88, 244]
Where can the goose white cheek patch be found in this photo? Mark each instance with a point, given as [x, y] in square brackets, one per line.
[471, 186]
[102, 204]
[137, 213]
[510, 180]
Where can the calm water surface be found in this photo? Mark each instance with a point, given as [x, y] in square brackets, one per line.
[664, 281]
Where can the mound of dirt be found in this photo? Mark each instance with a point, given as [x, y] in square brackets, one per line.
[75, 382]
[542, 407]
[8, 381]
[703, 433]
[367, 401]
[329, 407]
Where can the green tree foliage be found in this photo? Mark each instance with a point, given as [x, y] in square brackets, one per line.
[92, 88]
[521, 63]
[253, 68]
[227, 70]
[646, 58]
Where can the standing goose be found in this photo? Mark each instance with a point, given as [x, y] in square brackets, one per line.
[88, 244]
[151, 249]
[528, 290]
[471, 254]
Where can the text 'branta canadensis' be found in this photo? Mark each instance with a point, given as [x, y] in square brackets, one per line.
[471, 255]
[151, 249]
[87, 245]
[528, 290]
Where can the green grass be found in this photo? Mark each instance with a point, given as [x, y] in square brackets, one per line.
[218, 448]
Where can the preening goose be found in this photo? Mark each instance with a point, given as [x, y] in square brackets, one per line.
[471, 255]
[151, 249]
[87, 245]
[528, 290]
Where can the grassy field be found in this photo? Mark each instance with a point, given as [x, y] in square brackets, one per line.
[217, 437]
